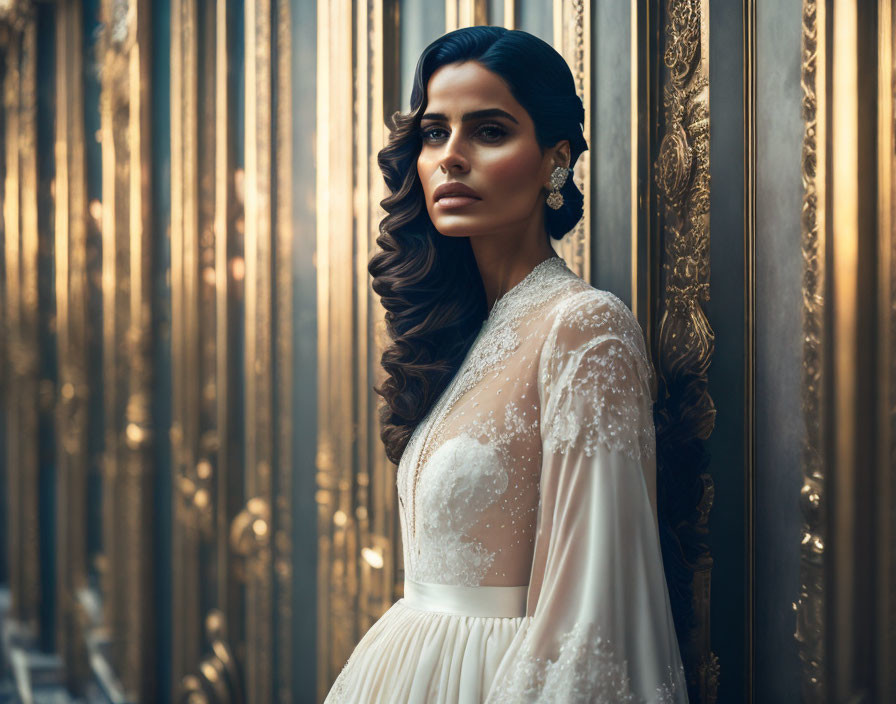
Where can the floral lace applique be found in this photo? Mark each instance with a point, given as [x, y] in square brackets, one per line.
[587, 670]
[596, 380]
[464, 478]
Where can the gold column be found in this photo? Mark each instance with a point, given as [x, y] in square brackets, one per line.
[282, 342]
[259, 393]
[885, 638]
[205, 262]
[337, 530]
[263, 525]
[185, 636]
[845, 616]
[358, 575]
[128, 517]
[465, 13]
[21, 314]
[71, 330]
[193, 329]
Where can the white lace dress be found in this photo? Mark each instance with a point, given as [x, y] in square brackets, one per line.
[528, 515]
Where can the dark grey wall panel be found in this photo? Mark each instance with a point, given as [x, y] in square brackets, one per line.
[305, 533]
[610, 148]
[778, 351]
[536, 17]
[726, 374]
[420, 24]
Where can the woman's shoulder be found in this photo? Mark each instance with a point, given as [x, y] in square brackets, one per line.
[583, 312]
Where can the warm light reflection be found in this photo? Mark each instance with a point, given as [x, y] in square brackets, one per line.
[372, 557]
[238, 268]
[239, 185]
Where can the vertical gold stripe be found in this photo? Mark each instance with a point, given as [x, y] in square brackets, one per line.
[258, 241]
[222, 233]
[187, 342]
[465, 13]
[360, 303]
[510, 14]
[284, 356]
[337, 400]
[71, 302]
[325, 496]
[844, 209]
[111, 383]
[30, 318]
[12, 256]
[885, 638]
[383, 528]
[182, 639]
[452, 15]
[139, 673]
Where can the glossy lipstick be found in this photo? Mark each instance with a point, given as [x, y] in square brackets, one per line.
[454, 195]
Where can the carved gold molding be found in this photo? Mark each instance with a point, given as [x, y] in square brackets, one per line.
[810, 609]
[572, 38]
[217, 679]
[684, 341]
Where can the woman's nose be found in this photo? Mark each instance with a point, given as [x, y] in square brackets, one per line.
[453, 156]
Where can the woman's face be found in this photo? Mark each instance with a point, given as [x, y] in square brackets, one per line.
[475, 133]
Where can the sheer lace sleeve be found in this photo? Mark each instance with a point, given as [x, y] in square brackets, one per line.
[599, 627]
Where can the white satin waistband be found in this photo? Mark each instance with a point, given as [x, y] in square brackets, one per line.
[496, 602]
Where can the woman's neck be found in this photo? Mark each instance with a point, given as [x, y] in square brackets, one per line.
[502, 268]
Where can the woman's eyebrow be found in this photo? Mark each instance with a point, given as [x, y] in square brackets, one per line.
[476, 114]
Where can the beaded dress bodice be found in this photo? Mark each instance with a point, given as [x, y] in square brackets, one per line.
[468, 481]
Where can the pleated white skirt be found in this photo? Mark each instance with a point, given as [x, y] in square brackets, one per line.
[434, 646]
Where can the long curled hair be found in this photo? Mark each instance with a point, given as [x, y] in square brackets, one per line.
[429, 284]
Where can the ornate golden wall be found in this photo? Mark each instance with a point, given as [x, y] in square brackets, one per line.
[151, 470]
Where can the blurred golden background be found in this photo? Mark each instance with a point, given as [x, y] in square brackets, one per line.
[195, 502]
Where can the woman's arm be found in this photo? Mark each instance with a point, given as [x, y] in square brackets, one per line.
[600, 626]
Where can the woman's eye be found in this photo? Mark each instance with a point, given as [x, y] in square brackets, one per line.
[428, 133]
[489, 133]
[492, 133]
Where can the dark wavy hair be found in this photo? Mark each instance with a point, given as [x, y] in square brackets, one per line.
[429, 284]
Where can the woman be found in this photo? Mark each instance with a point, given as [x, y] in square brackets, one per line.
[518, 408]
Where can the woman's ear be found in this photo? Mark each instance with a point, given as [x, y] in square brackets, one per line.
[559, 156]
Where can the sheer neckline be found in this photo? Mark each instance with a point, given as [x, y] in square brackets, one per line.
[532, 277]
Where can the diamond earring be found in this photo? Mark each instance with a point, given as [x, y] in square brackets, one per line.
[558, 179]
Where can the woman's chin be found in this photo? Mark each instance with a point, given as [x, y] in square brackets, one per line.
[456, 227]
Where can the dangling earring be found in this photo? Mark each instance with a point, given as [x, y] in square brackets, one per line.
[558, 179]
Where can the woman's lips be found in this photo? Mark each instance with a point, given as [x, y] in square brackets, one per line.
[453, 202]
